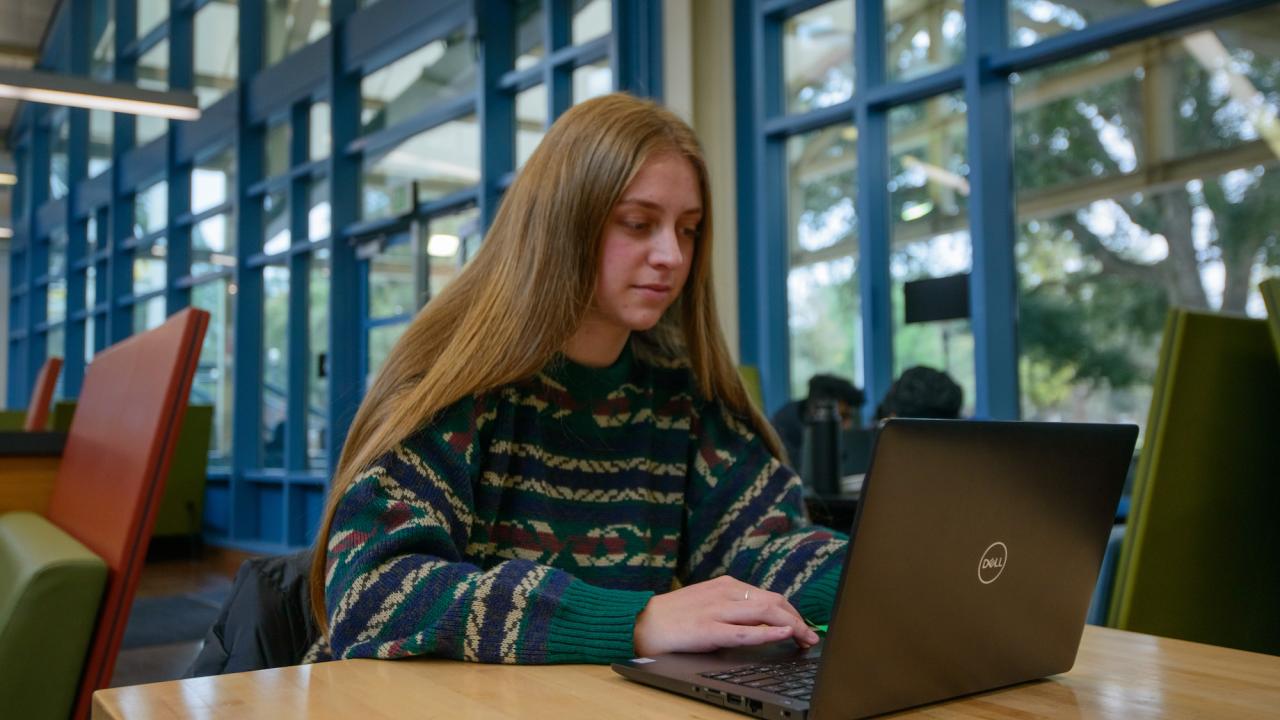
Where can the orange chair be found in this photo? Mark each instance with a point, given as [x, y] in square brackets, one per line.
[114, 464]
[42, 395]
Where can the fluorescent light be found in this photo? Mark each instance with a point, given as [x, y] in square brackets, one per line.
[8, 179]
[76, 91]
[5, 234]
[442, 245]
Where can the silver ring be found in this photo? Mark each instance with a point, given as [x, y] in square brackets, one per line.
[746, 595]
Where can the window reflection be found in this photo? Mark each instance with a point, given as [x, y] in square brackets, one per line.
[275, 363]
[443, 160]
[152, 74]
[817, 56]
[101, 131]
[151, 209]
[1147, 177]
[59, 145]
[217, 60]
[823, 306]
[592, 80]
[591, 19]
[212, 384]
[276, 231]
[530, 43]
[921, 38]
[531, 121]
[928, 205]
[317, 373]
[1031, 21]
[437, 71]
[293, 24]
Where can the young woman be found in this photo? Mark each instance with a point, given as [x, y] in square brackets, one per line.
[559, 438]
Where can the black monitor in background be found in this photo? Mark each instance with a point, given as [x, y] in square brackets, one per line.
[944, 298]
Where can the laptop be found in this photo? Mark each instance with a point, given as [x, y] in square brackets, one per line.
[971, 562]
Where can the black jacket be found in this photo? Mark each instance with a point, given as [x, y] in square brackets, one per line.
[266, 621]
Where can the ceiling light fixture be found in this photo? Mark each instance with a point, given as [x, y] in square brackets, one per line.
[8, 178]
[76, 91]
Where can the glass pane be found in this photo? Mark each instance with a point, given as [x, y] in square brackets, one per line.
[56, 346]
[90, 339]
[292, 24]
[217, 58]
[1147, 177]
[58, 253]
[102, 55]
[381, 340]
[275, 363]
[91, 235]
[213, 244]
[148, 314]
[213, 380]
[823, 307]
[150, 14]
[531, 121]
[101, 131]
[151, 209]
[149, 267]
[928, 205]
[213, 182]
[90, 287]
[448, 238]
[444, 160]
[817, 56]
[317, 375]
[592, 80]
[276, 149]
[591, 19]
[56, 301]
[276, 234]
[1033, 20]
[152, 74]
[59, 168]
[318, 214]
[437, 71]
[530, 43]
[320, 134]
[391, 281]
[921, 38]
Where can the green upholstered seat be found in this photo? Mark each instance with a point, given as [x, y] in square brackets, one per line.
[50, 588]
[12, 419]
[750, 375]
[182, 506]
[1199, 559]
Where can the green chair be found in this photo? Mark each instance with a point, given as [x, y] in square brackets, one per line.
[1200, 556]
[1270, 290]
[182, 506]
[50, 589]
[750, 375]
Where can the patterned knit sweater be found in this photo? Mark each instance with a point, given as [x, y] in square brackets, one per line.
[532, 524]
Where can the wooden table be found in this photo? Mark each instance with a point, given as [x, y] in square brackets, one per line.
[1117, 675]
[28, 466]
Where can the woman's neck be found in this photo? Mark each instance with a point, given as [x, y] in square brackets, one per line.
[596, 344]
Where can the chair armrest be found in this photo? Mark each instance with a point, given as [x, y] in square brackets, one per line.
[50, 589]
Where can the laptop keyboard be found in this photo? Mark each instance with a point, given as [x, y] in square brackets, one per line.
[792, 679]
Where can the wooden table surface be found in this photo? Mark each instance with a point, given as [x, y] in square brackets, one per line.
[1117, 675]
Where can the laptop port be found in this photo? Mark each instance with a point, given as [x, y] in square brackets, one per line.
[755, 706]
[735, 700]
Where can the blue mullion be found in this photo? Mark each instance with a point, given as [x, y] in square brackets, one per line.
[558, 78]
[295, 429]
[78, 165]
[909, 91]
[19, 278]
[120, 265]
[495, 108]
[874, 281]
[746, 81]
[1127, 28]
[993, 282]
[782, 125]
[771, 258]
[37, 251]
[181, 76]
[636, 47]
[345, 380]
[246, 443]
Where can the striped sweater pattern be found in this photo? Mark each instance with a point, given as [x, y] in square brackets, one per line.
[532, 523]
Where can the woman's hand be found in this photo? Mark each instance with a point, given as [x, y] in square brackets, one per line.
[715, 614]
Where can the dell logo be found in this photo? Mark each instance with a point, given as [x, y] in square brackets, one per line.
[992, 562]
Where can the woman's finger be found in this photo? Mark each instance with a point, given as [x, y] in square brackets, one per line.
[728, 635]
[752, 613]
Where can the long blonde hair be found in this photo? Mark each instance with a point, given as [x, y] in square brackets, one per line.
[527, 290]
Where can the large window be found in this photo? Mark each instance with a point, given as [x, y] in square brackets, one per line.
[441, 161]
[1147, 177]
[291, 24]
[217, 58]
[440, 70]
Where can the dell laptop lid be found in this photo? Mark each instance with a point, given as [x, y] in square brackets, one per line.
[972, 560]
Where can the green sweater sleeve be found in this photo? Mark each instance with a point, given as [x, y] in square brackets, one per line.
[399, 582]
[745, 518]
